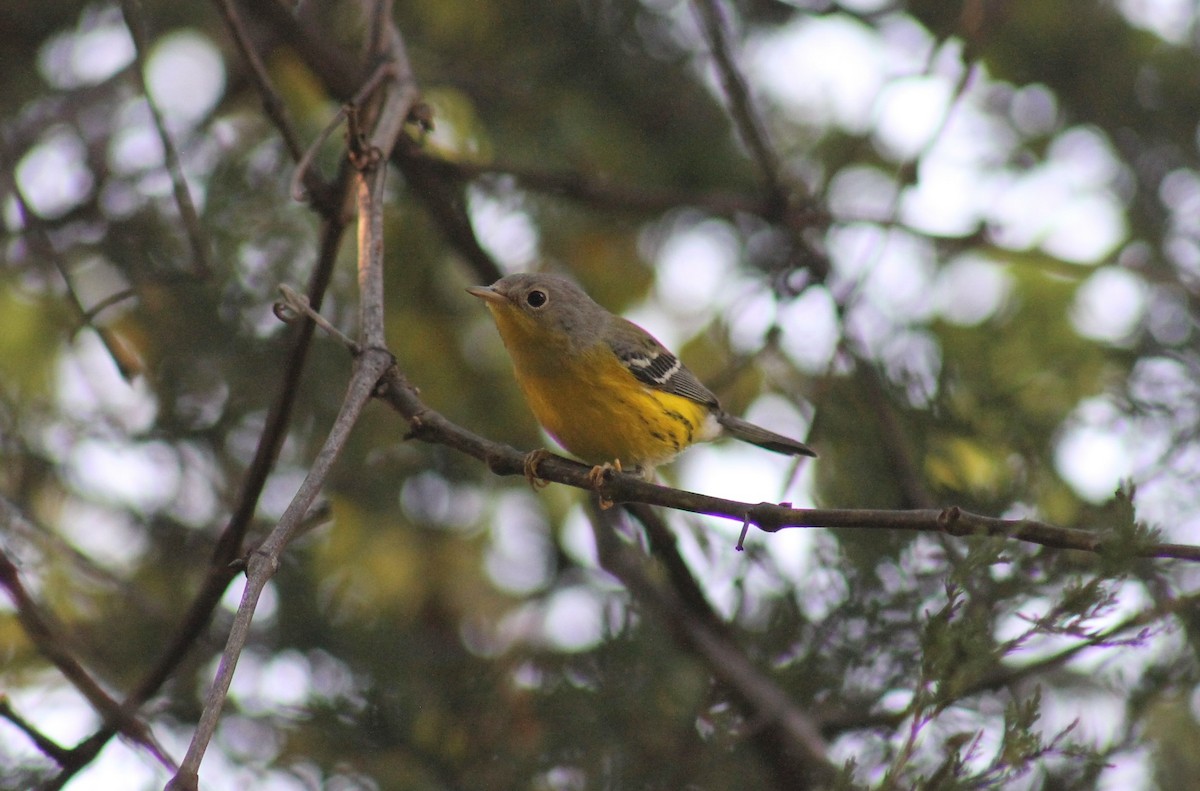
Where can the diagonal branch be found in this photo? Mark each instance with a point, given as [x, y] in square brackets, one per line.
[273, 104]
[221, 567]
[786, 735]
[749, 125]
[46, 746]
[127, 363]
[399, 93]
[51, 642]
[264, 561]
[133, 13]
[780, 195]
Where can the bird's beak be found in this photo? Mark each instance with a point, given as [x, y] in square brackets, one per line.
[487, 294]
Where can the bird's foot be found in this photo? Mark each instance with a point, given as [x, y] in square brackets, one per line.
[532, 459]
[599, 475]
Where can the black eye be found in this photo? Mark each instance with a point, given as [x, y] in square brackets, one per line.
[536, 298]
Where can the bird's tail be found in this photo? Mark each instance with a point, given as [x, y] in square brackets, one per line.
[756, 435]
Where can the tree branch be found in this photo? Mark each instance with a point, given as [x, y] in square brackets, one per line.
[127, 363]
[51, 643]
[264, 561]
[749, 125]
[429, 426]
[273, 104]
[399, 93]
[780, 195]
[132, 11]
[222, 569]
[46, 746]
[786, 735]
[599, 192]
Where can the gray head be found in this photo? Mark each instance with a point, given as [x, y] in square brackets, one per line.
[543, 305]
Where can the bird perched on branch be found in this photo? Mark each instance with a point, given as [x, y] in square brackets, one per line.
[603, 387]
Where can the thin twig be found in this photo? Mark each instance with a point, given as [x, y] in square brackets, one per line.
[133, 14]
[273, 104]
[301, 175]
[127, 363]
[781, 196]
[749, 125]
[295, 305]
[46, 746]
[115, 298]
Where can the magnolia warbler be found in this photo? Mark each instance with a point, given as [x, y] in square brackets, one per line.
[603, 387]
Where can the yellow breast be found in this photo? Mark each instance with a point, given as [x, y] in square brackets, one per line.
[604, 414]
[595, 408]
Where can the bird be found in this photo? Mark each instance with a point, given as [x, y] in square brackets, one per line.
[604, 388]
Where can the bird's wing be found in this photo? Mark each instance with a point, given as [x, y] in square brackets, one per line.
[653, 365]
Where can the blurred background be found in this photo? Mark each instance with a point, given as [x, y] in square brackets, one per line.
[953, 245]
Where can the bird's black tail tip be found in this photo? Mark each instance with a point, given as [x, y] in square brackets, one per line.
[769, 440]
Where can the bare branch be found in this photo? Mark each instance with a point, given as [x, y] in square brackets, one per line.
[303, 173]
[47, 746]
[780, 195]
[430, 426]
[389, 124]
[749, 125]
[127, 363]
[295, 305]
[369, 367]
[273, 104]
[133, 13]
[789, 736]
[600, 192]
[51, 643]
[264, 561]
